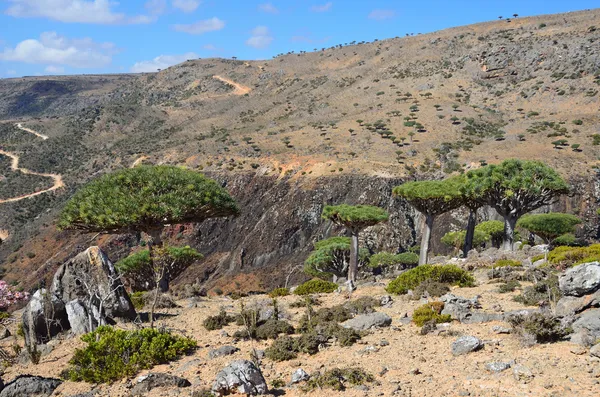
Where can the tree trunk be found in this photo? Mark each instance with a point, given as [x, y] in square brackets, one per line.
[510, 222]
[425, 239]
[153, 240]
[353, 268]
[470, 232]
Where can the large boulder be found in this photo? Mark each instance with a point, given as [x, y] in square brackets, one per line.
[30, 386]
[580, 280]
[242, 377]
[571, 305]
[586, 329]
[44, 317]
[465, 345]
[91, 279]
[368, 321]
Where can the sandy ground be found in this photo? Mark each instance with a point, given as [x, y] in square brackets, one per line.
[557, 371]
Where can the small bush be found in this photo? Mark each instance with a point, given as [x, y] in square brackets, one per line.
[450, 274]
[540, 327]
[277, 292]
[271, 329]
[316, 286]
[113, 354]
[572, 256]
[386, 259]
[282, 349]
[432, 288]
[306, 301]
[336, 379]
[137, 298]
[219, 321]
[543, 291]
[430, 312]
[509, 286]
[568, 240]
[362, 305]
[507, 263]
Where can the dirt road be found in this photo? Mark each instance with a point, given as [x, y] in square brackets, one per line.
[239, 89]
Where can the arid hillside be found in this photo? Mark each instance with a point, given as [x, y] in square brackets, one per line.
[352, 116]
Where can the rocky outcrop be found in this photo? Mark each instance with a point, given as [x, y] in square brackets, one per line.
[86, 292]
[31, 386]
[222, 351]
[364, 322]
[578, 307]
[242, 377]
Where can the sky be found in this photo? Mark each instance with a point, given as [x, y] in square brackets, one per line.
[48, 37]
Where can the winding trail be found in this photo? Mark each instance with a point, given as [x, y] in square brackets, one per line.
[58, 179]
[239, 89]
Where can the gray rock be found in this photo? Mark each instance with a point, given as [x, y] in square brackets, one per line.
[146, 383]
[462, 309]
[44, 317]
[78, 317]
[242, 377]
[498, 366]
[570, 305]
[497, 329]
[587, 324]
[5, 333]
[93, 268]
[222, 351]
[299, 375]
[465, 345]
[580, 280]
[522, 374]
[368, 321]
[30, 386]
[595, 351]
[386, 301]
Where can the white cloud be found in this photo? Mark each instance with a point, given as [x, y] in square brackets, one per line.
[268, 8]
[209, 47]
[156, 7]
[322, 8]
[186, 5]
[380, 15]
[54, 69]
[11, 72]
[79, 11]
[261, 37]
[54, 49]
[201, 27]
[161, 62]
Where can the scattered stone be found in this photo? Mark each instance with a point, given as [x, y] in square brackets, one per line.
[578, 350]
[384, 342]
[29, 385]
[588, 324]
[146, 383]
[223, 334]
[242, 377]
[364, 322]
[464, 393]
[299, 375]
[191, 364]
[595, 351]
[498, 329]
[461, 309]
[498, 366]
[580, 280]
[465, 345]
[522, 374]
[414, 371]
[5, 333]
[386, 301]
[222, 351]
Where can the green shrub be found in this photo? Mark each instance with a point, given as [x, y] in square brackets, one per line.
[337, 379]
[509, 286]
[568, 240]
[282, 349]
[507, 263]
[112, 354]
[494, 229]
[549, 226]
[306, 301]
[4, 315]
[271, 329]
[572, 256]
[456, 240]
[433, 288]
[362, 305]
[543, 328]
[277, 292]
[450, 274]
[430, 312]
[219, 321]
[330, 258]
[316, 286]
[386, 259]
[137, 298]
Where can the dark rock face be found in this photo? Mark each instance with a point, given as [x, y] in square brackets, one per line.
[44, 317]
[281, 219]
[31, 386]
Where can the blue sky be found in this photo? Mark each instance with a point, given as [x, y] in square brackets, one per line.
[43, 37]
